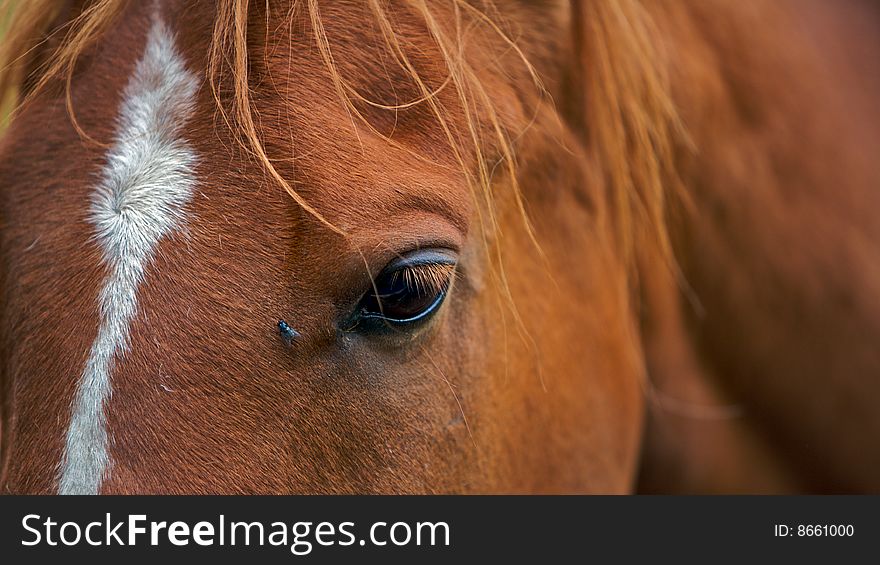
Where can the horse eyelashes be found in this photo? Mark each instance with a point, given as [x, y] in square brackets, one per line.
[429, 278]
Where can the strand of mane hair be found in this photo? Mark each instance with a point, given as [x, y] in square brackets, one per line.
[629, 118]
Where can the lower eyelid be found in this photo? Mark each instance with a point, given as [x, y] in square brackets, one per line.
[435, 305]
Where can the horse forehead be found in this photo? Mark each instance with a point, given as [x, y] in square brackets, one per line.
[374, 188]
[345, 166]
[140, 198]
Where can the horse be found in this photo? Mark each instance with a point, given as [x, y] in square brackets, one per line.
[459, 246]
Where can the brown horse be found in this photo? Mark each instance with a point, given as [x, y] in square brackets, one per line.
[447, 246]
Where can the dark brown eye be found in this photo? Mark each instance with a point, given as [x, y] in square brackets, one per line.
[408, 291]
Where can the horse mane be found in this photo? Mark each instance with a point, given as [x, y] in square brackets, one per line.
[631, 118]
[626, 112]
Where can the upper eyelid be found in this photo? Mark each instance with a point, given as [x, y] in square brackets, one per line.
[413, 259]
[422, 257]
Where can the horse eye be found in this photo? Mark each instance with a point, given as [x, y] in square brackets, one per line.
[407, 291]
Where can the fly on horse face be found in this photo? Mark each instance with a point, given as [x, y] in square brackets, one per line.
[450, 246]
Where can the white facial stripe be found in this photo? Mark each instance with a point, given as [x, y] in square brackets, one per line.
[145, 185]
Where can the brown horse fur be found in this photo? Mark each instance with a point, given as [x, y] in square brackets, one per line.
[737, 138]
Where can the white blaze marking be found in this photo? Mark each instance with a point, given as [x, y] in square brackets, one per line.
[145, 185]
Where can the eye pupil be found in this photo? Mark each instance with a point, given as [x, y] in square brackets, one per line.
[395, 299]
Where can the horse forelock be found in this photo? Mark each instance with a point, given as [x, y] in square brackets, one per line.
[622, 89]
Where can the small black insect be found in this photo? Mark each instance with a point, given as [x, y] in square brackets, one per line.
[288, 334]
